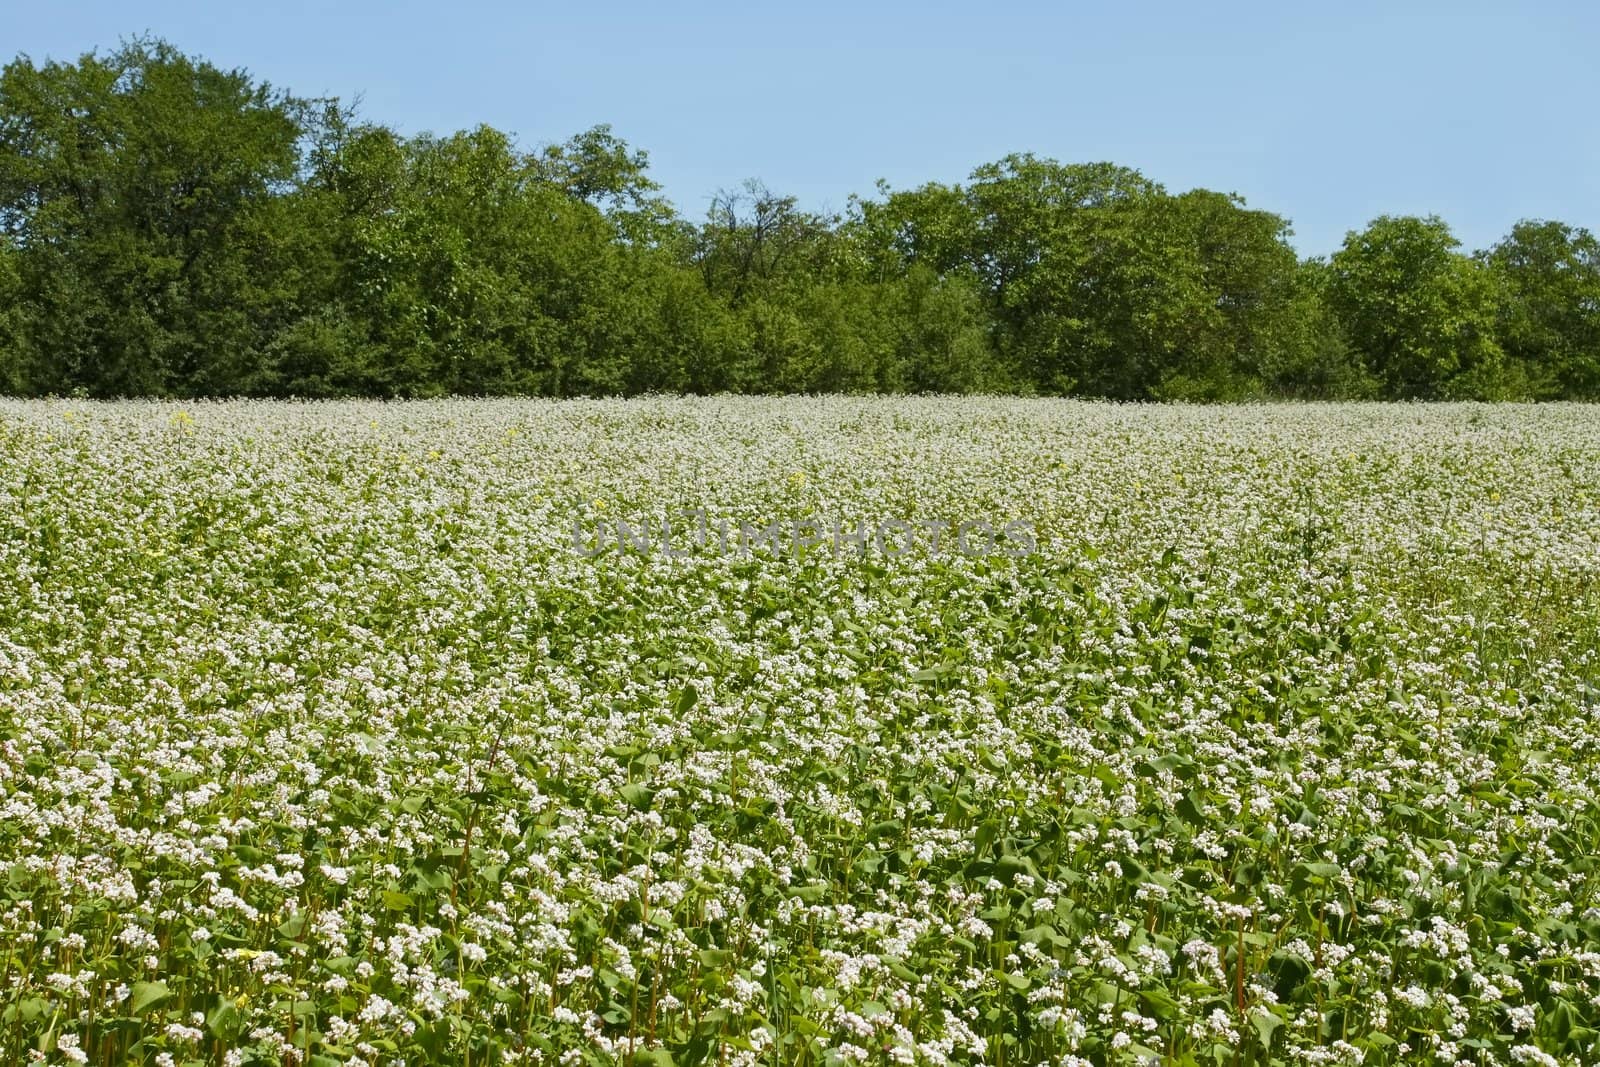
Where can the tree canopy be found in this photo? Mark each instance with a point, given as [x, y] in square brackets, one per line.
[172, 228]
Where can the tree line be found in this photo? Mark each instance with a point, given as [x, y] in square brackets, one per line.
[171, 228]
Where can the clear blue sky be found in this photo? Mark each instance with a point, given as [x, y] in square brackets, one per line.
[1481, 113]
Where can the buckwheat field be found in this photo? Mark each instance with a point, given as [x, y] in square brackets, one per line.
[798, 731]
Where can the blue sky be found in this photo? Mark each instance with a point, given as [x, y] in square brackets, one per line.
[1331, 115]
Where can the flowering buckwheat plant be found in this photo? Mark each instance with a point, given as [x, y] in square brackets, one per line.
[319, 743]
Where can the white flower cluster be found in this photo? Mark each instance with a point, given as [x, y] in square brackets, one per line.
[319, 741]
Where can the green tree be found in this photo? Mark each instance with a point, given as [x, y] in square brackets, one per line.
[463, 271]
[939, 332]
[1421, 315]
[1244, 306]
[933, 226]
[128, 183]
[1311, 358]
[1097, 281]
[11, 319]
[600, 169]
[662, 331]
[1550, 305]
[1117, 302]
[754, 241]
[319, 342]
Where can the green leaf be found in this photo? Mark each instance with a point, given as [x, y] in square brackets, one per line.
[1042, 935]
[886, 828]
[145, 995]
[717, 959]
[224, 1022]
[27, 1010]
[1266, 1025]
[988, 830]
[637, 794]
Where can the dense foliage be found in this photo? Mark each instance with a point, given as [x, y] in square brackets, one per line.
[168, 228]
[323, 738]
